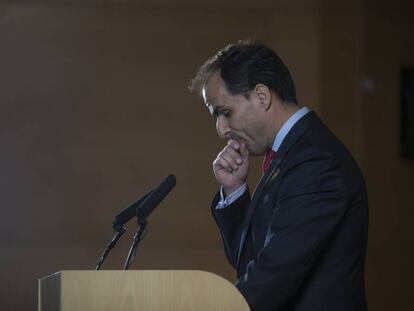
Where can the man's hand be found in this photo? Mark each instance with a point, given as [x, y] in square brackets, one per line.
[232, 166]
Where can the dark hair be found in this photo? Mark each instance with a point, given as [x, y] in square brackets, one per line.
[244, 65]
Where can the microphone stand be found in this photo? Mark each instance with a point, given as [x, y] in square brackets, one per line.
[138, 237]
[120, 230]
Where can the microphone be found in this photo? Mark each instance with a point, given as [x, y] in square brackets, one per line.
[118, 225]
[128, 213]
[144, 210]
[155, 197]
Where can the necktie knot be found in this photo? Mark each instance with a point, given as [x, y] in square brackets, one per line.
[270, 154]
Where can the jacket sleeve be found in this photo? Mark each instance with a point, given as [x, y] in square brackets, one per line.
[310, 204]
[230, 222]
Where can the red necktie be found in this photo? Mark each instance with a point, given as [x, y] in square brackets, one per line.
[270, 154]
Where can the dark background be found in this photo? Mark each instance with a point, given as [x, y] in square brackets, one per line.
[94, 111]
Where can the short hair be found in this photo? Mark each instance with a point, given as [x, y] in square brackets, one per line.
[245, 64]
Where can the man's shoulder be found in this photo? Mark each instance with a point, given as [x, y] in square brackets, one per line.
[322, 149]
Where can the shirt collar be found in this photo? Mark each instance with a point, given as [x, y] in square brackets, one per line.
[284, 130]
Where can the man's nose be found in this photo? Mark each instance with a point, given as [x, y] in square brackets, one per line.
[223, 129]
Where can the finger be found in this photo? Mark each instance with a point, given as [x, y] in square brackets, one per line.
[232, 162]
[221, 163]
[244, 151]
[234, 144]
[229, 158]
[235, 155]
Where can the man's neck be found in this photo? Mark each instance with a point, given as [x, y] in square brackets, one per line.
[281, 113]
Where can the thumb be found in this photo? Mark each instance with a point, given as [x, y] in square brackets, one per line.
[244, 152]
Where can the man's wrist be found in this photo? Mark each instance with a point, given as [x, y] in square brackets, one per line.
[231, 197]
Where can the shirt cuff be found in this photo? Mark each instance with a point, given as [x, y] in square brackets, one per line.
[226, 201]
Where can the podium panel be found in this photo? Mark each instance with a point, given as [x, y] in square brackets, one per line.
[138, 290]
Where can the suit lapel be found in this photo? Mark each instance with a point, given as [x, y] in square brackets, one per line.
[274, 166]
[294, 134]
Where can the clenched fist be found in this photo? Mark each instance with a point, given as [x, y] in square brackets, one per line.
[232, 166]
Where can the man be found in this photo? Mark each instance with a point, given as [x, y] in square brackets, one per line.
[299, 241]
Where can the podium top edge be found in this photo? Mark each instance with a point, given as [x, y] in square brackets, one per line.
[141, 271]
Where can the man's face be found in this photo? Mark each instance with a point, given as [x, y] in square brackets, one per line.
[236, 116]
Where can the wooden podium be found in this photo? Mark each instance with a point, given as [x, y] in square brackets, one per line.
[138, 290]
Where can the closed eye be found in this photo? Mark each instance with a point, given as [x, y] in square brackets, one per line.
[225, 113]
[219, 111]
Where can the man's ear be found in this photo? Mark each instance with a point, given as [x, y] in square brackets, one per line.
[264, 94]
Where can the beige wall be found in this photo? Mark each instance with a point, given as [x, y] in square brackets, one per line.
[339, 56]
[389, 46]
[364, 46]
[94, 111]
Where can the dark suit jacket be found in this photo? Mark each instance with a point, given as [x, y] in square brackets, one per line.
[299, 243]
